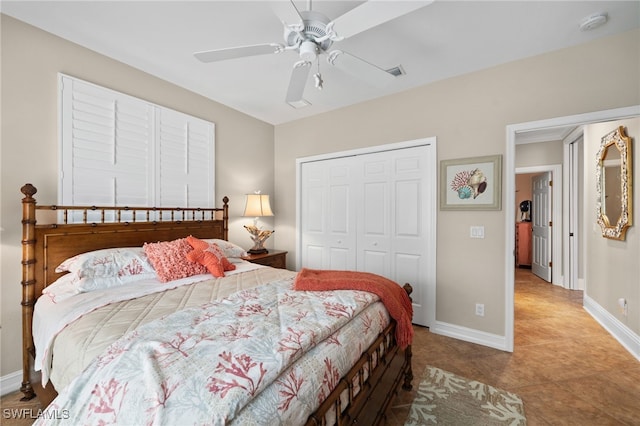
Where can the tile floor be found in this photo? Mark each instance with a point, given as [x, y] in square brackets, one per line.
[565, 366]
[567, 369]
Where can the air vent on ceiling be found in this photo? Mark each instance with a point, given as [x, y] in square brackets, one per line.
[396, 71]
[299, 104]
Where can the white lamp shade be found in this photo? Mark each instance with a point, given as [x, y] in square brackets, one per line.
[257, 205]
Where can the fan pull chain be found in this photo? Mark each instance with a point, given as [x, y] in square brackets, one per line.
[318, 77]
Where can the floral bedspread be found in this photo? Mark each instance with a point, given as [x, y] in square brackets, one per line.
[229, 361]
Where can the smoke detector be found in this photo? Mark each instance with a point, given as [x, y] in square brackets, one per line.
[593, 21]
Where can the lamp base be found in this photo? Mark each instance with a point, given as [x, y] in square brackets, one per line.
[259, 237]
[258, 251]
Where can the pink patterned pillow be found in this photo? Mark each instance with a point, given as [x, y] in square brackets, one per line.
[169, 259]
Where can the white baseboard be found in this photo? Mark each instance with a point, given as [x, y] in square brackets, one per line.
[470, 335]
[622, 333]
[10, 383]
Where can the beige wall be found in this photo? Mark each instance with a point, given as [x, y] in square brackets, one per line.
[468, 115]
[31, 60]
[539, 154]
[612, 268]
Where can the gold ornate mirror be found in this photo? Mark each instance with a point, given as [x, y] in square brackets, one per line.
[614, 191]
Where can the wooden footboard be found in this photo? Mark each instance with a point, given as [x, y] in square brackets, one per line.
[364, 395]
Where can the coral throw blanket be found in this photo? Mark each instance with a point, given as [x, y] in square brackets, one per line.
[394, 297]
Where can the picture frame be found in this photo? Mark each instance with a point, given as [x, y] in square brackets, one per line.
[473, 183]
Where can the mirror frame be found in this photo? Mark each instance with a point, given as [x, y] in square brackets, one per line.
[619, 140]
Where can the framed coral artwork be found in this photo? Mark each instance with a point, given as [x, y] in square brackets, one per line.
[471, 183]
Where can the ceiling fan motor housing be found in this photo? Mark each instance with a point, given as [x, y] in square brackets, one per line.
[315, 26]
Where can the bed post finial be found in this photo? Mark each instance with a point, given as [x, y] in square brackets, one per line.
[28, 284]
[225, 217]
[28, 190]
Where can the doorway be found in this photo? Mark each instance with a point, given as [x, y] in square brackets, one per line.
[514, 133]
[553, 247]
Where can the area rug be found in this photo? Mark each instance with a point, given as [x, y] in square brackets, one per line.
[444, 398]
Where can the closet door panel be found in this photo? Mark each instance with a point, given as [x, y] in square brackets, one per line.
[376, 262]
[341, 238]
[313, 223]
[374, 214]
[408, 269]
[407, 209]
[328, 235]
[409, 233]
[313, 256]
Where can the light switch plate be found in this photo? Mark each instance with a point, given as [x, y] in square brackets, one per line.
[476, 232]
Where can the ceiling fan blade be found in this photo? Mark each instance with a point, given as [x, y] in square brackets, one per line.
[360, 68]
[287, 12]
[237, 52]
[298, 81]
[373, 13]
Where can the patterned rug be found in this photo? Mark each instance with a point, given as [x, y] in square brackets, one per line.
[447, 399]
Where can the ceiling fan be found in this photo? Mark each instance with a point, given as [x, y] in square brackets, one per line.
[311, 34]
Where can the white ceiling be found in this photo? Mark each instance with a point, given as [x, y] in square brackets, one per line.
[444, 39]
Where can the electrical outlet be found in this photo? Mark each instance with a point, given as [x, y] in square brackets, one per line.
[480, 309]
[622, 302]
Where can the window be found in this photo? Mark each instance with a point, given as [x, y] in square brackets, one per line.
[119, 150]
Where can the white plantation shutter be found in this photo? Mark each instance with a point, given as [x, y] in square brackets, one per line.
[121, 150]
[186, 160]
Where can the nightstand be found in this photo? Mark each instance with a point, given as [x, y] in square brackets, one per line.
[275, 259]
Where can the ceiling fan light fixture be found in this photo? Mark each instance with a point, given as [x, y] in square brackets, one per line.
[308, 50]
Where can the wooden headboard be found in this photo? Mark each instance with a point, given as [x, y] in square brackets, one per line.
[51, 234]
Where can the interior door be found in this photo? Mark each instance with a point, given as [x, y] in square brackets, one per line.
[541, 226]
[328, 237]
[571, 281]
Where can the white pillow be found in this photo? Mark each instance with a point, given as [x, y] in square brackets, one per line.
[100, 283]
[229, 249]
[62, 288]
[108, 262]
[100, 269]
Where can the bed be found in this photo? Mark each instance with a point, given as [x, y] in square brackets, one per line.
[360, 391]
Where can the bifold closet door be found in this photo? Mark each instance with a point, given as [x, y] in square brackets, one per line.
[372, 212]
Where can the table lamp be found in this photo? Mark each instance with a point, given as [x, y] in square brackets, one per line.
[257, 205]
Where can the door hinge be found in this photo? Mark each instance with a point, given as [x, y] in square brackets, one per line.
[550, 183]
[550, 264]
[550, 223]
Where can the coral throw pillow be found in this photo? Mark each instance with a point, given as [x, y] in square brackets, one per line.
[213, 249]
[209, 260]
[169, 259]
